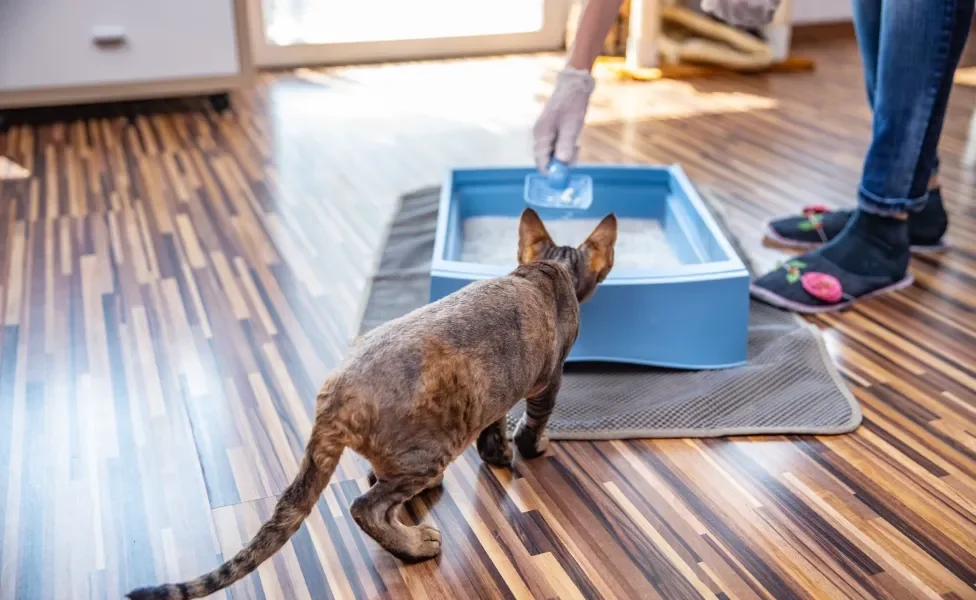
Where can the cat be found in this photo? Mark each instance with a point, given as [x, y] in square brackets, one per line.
[414, 393]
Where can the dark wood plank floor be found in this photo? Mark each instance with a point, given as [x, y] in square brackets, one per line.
[175, 285]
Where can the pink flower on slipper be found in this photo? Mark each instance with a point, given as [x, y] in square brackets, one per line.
[815, 209]
[822, 286]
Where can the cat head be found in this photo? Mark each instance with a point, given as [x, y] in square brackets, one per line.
[588, 264]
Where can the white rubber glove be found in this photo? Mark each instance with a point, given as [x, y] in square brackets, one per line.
[749, 14]
[558, 128]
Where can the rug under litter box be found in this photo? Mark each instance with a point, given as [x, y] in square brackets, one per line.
[788, 386]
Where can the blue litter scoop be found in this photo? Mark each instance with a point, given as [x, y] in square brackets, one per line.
[558, 188]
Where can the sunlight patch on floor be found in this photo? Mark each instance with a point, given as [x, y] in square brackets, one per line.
[667, 99]
[965, 76]
[11, 171]
[509, 90]
[476, 93]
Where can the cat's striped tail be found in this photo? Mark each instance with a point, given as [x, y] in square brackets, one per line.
[297, 502]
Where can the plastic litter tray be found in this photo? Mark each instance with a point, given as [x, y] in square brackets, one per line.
[691, 313]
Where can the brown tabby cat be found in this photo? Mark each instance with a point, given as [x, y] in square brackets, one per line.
[418, 390]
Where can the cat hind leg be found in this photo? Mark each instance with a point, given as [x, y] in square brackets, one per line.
[376, 513]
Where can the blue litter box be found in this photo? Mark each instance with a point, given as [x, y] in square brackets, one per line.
[691, 313]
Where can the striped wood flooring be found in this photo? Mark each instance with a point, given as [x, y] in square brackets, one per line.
[175, 285]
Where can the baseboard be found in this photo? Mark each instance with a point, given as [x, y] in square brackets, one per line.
[817, 32]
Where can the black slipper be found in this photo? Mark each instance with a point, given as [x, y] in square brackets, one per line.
[819, 224]
[812, 284]
[815, 227]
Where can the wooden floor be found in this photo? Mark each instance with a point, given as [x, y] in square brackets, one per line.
[175, 285]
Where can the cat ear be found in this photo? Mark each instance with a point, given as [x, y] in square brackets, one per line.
[599, 247]
[533, 237]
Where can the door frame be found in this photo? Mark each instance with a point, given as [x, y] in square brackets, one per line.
[550, 38]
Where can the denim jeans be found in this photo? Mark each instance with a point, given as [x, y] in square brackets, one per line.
[910, 49]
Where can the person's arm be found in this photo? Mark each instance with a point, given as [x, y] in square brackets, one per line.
[596, 19]
[559, 126]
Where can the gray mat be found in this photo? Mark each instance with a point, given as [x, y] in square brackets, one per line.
[788, 386]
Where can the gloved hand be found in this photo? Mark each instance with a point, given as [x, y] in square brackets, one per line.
[749, 14]
[558, 128]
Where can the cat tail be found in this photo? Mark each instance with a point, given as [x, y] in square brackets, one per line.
[296, 503]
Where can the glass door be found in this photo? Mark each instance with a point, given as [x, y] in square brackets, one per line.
[287, 33]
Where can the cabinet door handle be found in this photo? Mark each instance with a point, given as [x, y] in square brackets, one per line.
[108, 35]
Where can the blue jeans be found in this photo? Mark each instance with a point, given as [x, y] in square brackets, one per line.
[910, 49]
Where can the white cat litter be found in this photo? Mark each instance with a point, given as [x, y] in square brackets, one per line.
[641, 243]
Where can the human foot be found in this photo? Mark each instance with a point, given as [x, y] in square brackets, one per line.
[868, 258]
[819, 224]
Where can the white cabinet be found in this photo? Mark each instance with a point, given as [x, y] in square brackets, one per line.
[61, 51]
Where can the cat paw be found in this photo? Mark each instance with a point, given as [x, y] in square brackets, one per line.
[530, 444]
[429, 533]
[494, 449]
[426, 544]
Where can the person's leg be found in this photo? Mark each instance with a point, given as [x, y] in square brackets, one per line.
[920, 45]
[818, 225]
[867, 29]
